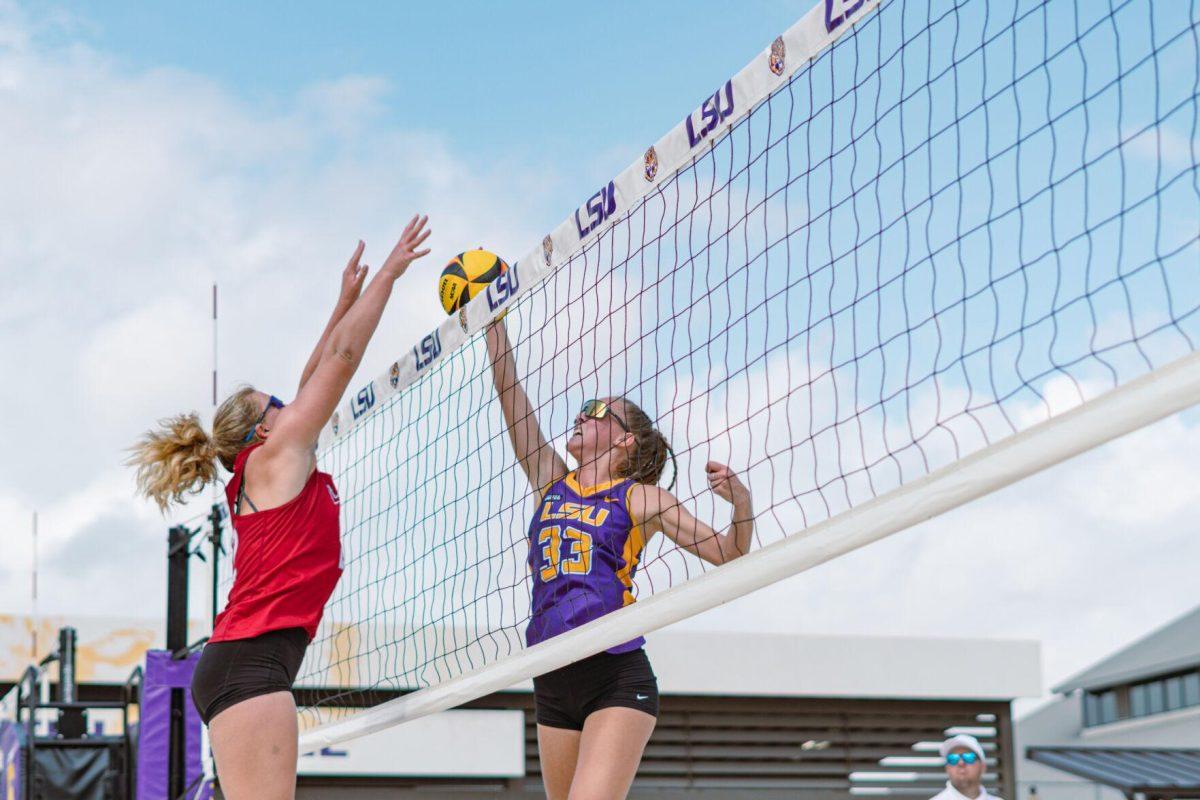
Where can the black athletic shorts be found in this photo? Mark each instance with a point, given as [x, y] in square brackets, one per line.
[230, 672]
[565, 697]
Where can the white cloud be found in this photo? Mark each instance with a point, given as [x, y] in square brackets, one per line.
[1163, 142]
[128, 193]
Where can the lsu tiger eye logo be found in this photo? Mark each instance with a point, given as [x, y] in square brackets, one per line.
[394, 374]
[336, 420]
[547, 249]
[651, 164]
[778, 56]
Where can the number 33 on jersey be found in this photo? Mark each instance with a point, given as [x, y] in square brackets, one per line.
[584, 549]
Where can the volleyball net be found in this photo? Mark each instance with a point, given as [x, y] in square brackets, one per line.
[911, 253]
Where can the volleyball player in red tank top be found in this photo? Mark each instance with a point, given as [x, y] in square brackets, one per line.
[285, 513]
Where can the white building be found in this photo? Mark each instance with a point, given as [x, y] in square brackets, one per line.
[742, 715]
[1127, 725]
[755, 716]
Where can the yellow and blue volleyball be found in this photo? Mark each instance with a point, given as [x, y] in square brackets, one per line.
[466, 276]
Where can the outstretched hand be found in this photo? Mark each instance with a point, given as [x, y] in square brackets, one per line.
[724, 482]
[405, 252]
[353, 277]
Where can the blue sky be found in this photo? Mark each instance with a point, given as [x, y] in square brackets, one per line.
[583, 86]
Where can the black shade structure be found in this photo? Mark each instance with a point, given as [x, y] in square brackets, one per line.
[1156, 772]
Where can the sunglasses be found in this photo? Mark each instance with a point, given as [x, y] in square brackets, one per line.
[598, 409]
[273, 402]
[954, 759]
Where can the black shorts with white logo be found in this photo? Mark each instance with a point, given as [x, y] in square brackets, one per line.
[565, 697]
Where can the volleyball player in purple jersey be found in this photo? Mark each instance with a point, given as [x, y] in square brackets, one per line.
[585, 540]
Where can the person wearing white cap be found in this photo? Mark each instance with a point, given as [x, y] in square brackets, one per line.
[964, 768]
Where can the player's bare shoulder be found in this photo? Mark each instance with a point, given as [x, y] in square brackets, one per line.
[647, 503]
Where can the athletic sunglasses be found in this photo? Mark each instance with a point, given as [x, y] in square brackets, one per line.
[598, 409]
[954, 759]
[273, 402]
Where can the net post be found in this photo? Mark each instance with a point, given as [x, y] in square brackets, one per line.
[178, 543]
[214, 519]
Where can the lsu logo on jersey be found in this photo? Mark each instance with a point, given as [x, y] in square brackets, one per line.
[712, 112]
[577, 512]
[363, 401]
[840, 11]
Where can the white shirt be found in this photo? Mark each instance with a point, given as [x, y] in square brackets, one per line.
[950, 793]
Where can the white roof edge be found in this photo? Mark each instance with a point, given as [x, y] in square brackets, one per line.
[1143, 657]
[808, 665]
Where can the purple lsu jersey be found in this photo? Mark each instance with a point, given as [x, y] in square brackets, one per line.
[584, 547]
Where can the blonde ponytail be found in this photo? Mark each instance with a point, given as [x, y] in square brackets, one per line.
[176, 460]
[179, 458]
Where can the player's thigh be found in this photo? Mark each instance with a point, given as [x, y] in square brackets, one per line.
[254, 743]
[558, 750]
[610, 750]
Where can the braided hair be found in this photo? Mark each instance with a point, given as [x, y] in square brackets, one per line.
[650, 450]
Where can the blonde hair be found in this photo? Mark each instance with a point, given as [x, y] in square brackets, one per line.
[179, 458]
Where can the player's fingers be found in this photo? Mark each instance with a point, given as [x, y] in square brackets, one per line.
[417, 227]
[408, 228]
[358, 251]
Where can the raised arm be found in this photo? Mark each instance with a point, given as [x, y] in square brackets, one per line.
[541, 464]
[659, 510]
[352, 282]
[300, 424]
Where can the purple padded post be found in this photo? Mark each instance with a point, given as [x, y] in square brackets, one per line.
[163, 674]
[10, 759]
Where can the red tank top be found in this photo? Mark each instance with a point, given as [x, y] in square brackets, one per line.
[287, 560]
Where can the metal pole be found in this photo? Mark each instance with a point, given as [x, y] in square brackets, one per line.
[177, 588]
[214, 519]
[214, 347]
[66, 665]
[1008, 756]
[178, 541]
[33, 643]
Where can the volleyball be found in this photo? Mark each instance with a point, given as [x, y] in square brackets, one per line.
[466, 276]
